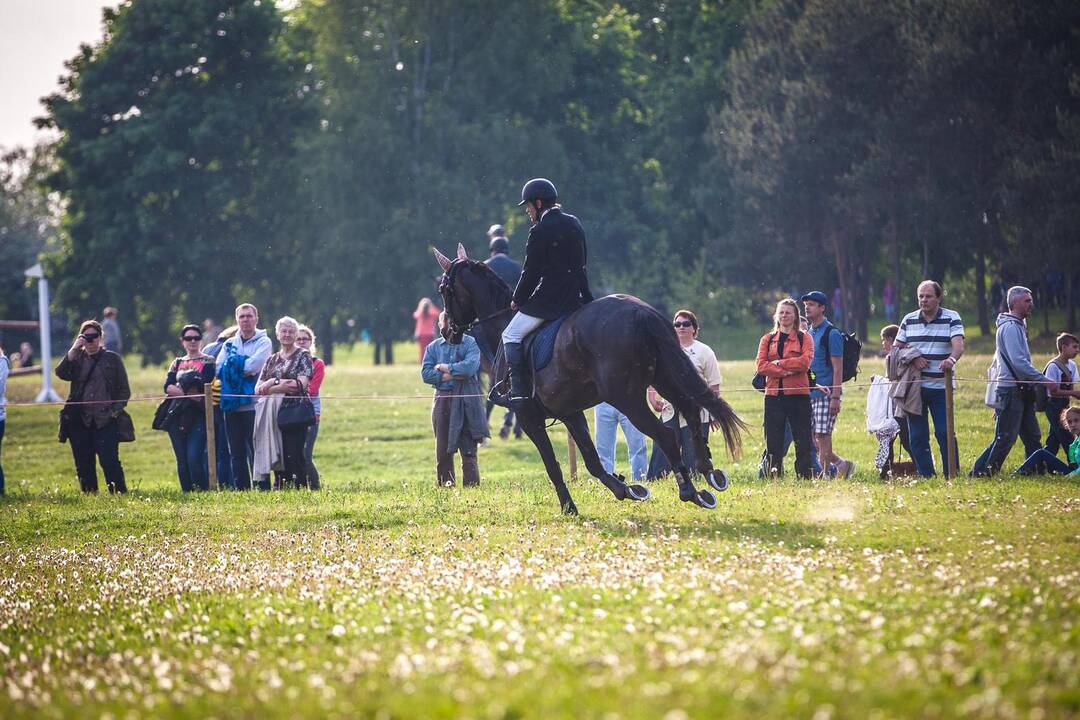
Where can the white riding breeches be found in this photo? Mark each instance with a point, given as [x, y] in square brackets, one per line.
[520, 326]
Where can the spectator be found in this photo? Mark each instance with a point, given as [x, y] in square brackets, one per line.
[784, 357]
[210, 328]
[5, 369]
[509, 270]
[1061, 371]
[938, 334]
[888, 300]
[997, 295]
[837, 304]
[99, 382]
[305, 339]
[114, 342]
[1043, 461]
[425, 315]
[188, 375]
[704, 361]
[608, 420]
[1016, 393]
[239, 362]
[905, 393]
[26, 355]
[828, 368]
[221, 437]
[288, 372]
[457, 415]
[789, 437]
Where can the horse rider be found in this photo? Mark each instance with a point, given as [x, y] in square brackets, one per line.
[553, 282]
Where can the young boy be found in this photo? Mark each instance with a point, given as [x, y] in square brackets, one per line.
[1062, 371]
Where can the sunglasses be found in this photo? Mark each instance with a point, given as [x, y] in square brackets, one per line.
[189, 338]
[682, 324]
[90, 337]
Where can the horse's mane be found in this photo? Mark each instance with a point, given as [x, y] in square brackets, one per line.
[500, 291]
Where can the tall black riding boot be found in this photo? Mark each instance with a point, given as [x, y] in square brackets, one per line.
[520, 374]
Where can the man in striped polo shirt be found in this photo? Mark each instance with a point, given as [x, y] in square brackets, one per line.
[938, 333]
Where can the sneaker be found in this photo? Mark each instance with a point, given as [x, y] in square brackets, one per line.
[845, 469]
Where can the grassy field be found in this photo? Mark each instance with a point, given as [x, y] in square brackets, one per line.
[383, 596]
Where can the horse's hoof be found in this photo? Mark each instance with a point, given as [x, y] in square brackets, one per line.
[569, 508]
[638, 492]
[688, 493]
[705, 499]
[717, 479]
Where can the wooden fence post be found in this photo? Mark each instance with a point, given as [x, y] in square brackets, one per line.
[211, 437]
[950, 428]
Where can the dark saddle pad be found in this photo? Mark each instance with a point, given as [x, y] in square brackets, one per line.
[541, 344]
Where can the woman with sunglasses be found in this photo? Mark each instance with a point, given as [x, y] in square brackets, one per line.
[704, 360]
[188, 375]
[99, 391]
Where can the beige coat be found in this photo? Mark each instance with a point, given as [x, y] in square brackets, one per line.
[268, 454]
[907, 381]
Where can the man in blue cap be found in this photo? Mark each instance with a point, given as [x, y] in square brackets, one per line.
[828, 367]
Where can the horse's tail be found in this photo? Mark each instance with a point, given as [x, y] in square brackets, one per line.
[674, 369]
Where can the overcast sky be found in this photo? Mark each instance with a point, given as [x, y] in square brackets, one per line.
[36, 37]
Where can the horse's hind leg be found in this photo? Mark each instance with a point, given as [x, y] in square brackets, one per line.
[637, 411]
[532, 423]
[578, 427]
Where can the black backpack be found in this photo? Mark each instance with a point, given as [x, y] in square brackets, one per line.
[852, 351]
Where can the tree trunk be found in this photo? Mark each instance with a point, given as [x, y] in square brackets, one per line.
[893, 236]
[327, 341]
[980, 292]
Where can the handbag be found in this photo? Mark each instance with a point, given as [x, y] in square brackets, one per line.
[164, 415]
[296, 413]
[758, 382]
[125, 426]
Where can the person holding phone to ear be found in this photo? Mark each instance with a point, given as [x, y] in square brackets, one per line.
[99, 391]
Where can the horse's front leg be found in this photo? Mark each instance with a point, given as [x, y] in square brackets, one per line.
[578, 427]
[532, 423]
[717, 478]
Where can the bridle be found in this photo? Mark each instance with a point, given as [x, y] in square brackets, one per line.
[446, 289]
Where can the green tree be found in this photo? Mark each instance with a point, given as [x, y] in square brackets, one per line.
[178, 136]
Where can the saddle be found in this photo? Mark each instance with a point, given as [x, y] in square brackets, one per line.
[540, 345]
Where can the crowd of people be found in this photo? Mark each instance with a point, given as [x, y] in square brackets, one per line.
[266, 407]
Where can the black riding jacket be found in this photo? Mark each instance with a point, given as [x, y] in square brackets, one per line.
[553, 280]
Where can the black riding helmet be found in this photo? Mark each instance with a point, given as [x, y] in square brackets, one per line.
[539, 189]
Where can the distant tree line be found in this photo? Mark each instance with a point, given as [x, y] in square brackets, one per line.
[718, 152]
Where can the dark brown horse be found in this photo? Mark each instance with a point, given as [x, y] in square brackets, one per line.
[611, 350]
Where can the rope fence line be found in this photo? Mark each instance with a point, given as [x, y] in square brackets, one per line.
[724, 391]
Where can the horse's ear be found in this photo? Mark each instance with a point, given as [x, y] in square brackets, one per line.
[461, 254]
[444, 261]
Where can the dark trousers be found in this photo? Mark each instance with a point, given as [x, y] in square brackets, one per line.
[292, 457]
[190, 450]
[659, 465]
[444, 461]
[781, 410]
[1043, 462]
[1016, 418]
[2, 423]
[240, 427]
[221, 444]
[1058, 436]
[310, 437]
[919, 432]
[90, 445]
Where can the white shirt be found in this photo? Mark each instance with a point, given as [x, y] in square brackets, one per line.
[704, 361]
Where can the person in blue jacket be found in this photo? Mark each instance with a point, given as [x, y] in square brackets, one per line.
[457, 413]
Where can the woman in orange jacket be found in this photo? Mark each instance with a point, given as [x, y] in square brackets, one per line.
[784, 357]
